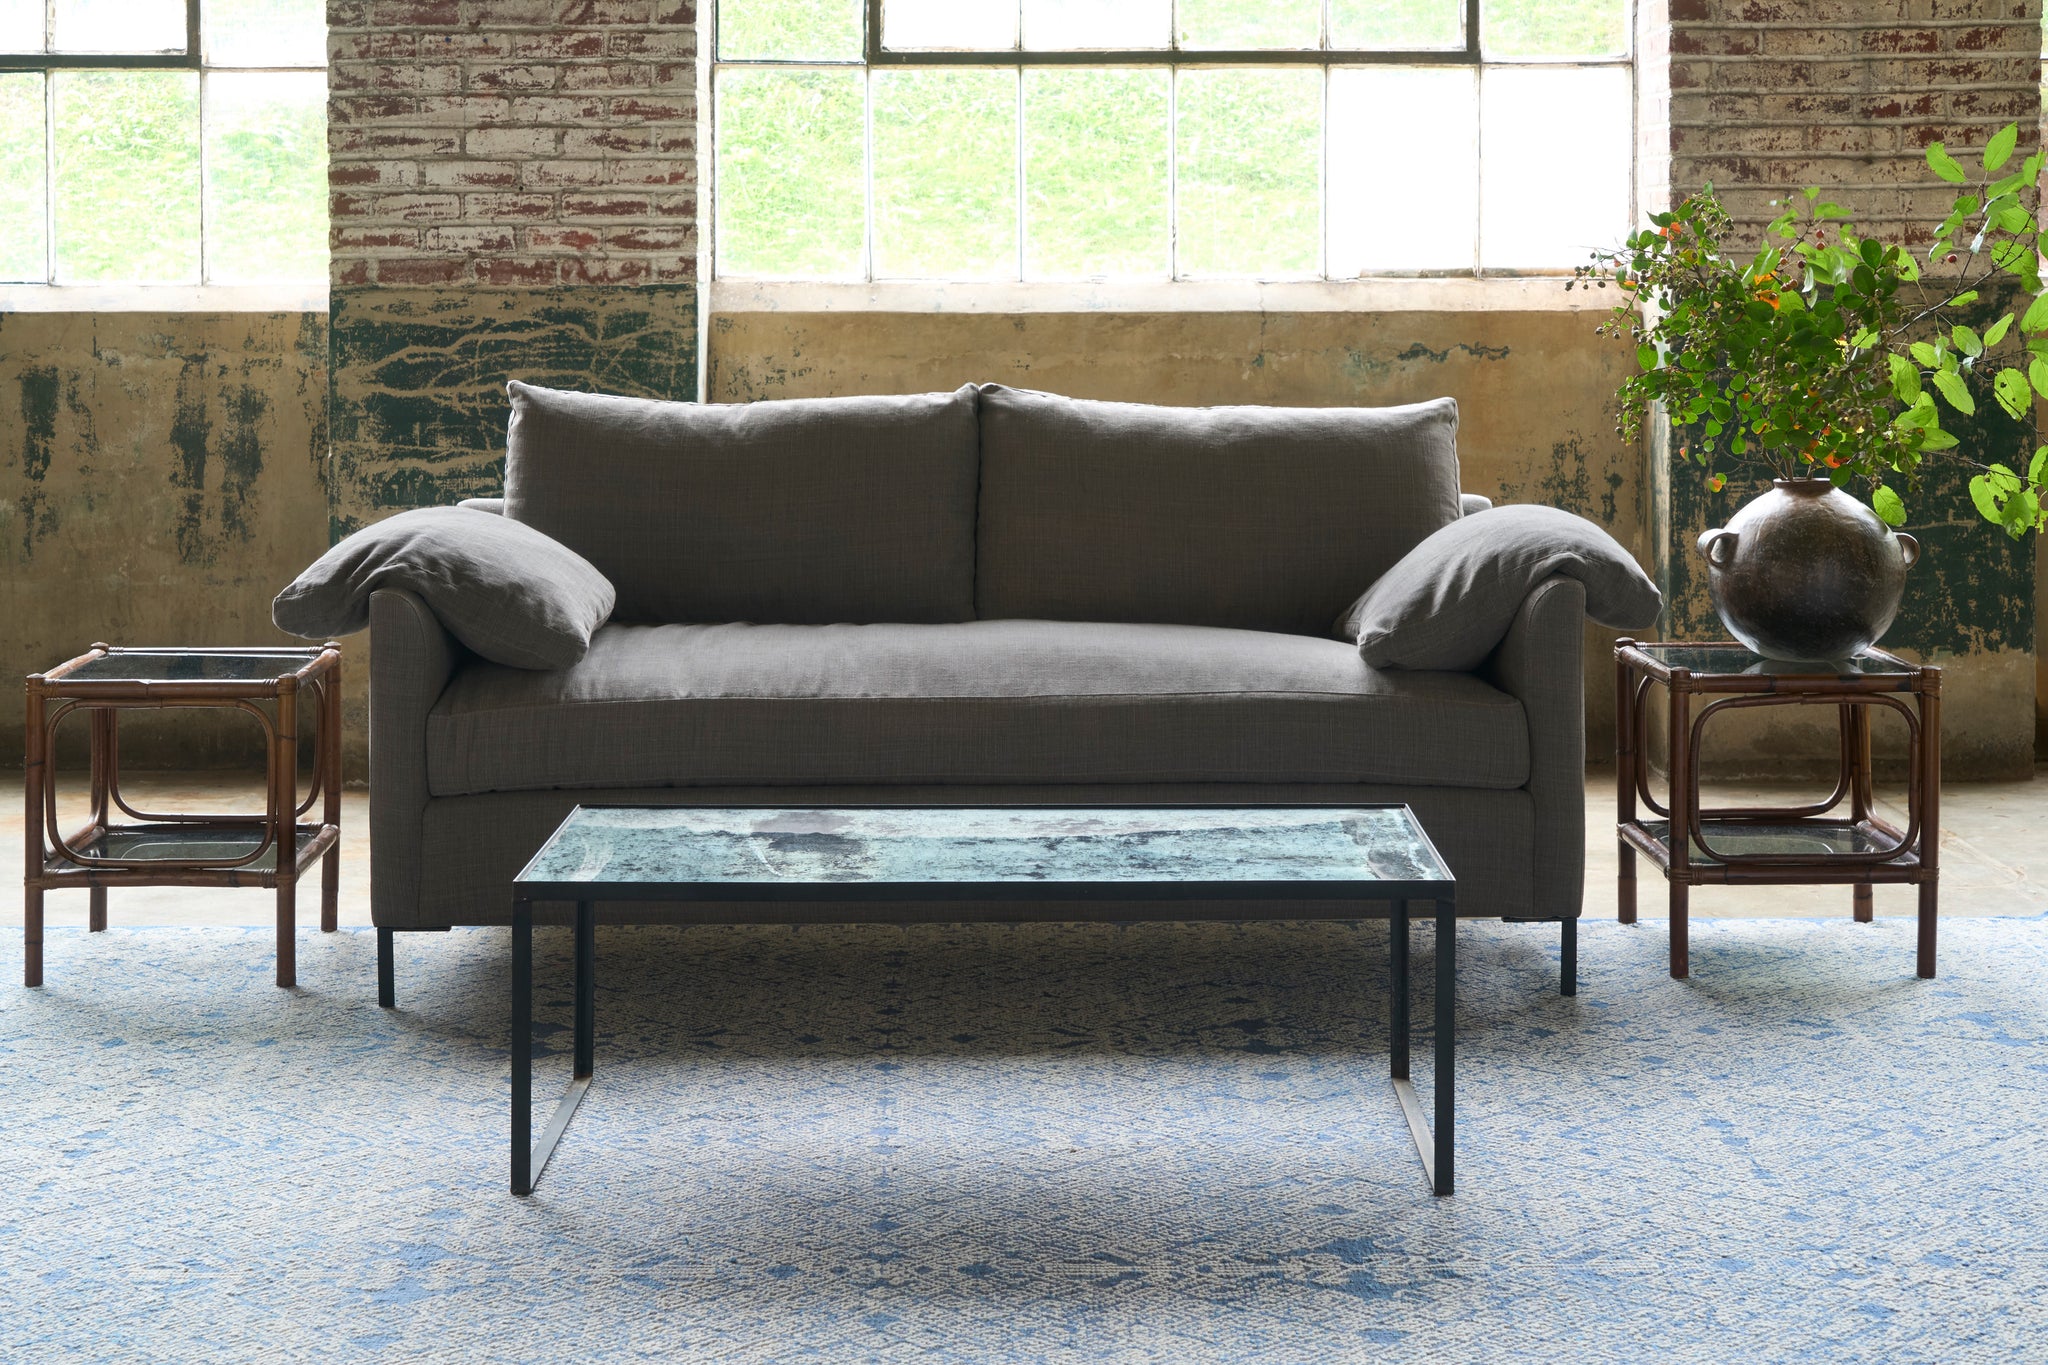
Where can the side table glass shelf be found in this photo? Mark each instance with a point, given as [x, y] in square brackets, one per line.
[271, 848]
[1839, 839]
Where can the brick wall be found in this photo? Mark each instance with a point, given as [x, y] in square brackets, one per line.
[1772, 95]
[513, 142]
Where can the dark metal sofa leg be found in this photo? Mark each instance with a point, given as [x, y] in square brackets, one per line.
[387, 987]
[1568, 956]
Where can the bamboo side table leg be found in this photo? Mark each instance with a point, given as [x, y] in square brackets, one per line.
[1682, 784]
[284, 788]
[1930, 818]
[103, 740]
[330, 811]
[35, 745]
[1624, 784]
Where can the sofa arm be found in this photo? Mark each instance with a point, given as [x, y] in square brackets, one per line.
[412, 657]
[1540, 663]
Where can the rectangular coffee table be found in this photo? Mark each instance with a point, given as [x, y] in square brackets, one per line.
[759, 865]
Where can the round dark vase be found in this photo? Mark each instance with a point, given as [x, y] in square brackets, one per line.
[1807, 574]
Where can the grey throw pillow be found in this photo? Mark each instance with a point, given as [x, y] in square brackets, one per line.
[1451, 599]
[502, 588]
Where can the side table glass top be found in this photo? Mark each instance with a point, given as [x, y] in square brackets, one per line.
[766, 848]
[192, 665]
[1734, 659]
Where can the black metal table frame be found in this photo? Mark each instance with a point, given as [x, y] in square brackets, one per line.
[1434, 1144]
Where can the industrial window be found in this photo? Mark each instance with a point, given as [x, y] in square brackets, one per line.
[163, 141]
[1167, 139]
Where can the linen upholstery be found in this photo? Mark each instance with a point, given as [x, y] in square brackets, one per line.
[1449, 601]
[470, 847]
[505, 590]
[411, 660]
[1257, 518]
[1468, 503]
[800, 510]
[975, 702]
[1540, 664]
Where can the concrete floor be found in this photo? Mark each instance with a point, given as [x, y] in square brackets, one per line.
[1994, 860]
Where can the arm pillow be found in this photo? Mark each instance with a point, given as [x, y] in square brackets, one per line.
[1450, 600]
[502, 588]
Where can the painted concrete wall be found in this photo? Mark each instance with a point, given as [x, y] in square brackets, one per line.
[162, 475]
[1534, 389]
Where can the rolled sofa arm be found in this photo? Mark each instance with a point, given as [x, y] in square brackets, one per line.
[412, 657]
[1469, 503]
[1540, 662]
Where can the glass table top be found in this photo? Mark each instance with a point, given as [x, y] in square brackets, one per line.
[210, 842]
[1812, 839]
[1732, 658]
[765, 848]
[191, 665]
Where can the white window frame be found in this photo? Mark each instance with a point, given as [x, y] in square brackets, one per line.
[876, 57]
[47, 294]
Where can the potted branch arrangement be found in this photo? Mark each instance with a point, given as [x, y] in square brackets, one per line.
[1829, 361]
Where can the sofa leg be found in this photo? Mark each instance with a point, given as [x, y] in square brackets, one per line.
[387, 989]
[1568, 956]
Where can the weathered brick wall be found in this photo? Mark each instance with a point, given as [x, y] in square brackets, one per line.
[514, 194]
[1771, 95]
[513, 142]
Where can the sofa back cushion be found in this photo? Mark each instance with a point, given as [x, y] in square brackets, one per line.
[800, 511]
[1257, 518]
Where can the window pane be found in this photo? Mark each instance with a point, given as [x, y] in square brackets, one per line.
[1558, 159]
[1250, 23]
[265, 32]
[1554, 28]
[127, 177]
[21, 25]
[1404, 185]
[1050, 24]
[946, 174]
[266, 176]
[1095, 186]
[21, 176]
[969, 24]
[791, 30]
[119, 26]
[1397, 24]
[790, 201]
[1249, 147]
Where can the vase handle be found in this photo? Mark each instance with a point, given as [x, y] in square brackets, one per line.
[1909, 549]
[1719, 547]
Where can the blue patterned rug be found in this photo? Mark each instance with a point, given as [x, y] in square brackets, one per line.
[1159, 1143]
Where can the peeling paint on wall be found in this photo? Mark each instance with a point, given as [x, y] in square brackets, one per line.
[418, 404]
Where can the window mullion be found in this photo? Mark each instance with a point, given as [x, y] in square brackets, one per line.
[49, 174]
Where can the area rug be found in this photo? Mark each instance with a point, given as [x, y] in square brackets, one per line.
[998, 1143]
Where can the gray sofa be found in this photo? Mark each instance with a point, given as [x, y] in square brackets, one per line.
[990, 596]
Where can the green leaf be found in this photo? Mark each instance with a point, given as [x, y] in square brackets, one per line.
[1999, 150]
[2037, 374]
[1944, 165]
[1926, 354]
[1826, 211]
[1889, 509]
[1967, 296]
[1646, 356]
[1982, 493]
[1995, 333]
[2011, 390]
[2035, 319]
[1905, 379]
[2039, 467]
[1864, 337]
[1936, 439]
[1967, 341]
[1955, 391]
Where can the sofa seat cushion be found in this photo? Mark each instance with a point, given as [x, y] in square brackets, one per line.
[969, 702]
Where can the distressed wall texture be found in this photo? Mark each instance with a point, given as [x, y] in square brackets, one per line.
[162, 475]
[1534, 390]
[1764, 98]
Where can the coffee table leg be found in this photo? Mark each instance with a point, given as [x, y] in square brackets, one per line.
[1434, 1149]
[387, 972]
[1681, 945]
[1568, 957]
[529, 1158]
[32, 937]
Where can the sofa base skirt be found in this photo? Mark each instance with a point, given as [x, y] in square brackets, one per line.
[471, 847]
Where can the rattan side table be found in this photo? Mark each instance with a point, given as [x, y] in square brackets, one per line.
[174, 849]
[1792, 845]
